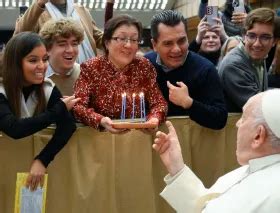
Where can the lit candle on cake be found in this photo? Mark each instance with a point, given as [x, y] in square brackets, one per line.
[123, 106]
[142, 106]
[133, 105]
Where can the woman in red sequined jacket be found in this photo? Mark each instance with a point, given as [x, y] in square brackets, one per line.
[104, 79]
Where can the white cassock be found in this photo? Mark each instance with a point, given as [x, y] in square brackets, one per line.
[254, 188]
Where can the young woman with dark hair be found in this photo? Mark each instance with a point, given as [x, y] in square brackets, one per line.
[30, 103]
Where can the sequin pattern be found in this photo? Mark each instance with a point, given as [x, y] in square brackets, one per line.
[100, 86]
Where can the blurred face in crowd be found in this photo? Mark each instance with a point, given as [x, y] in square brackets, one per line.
[123, 45]
[171, 44]
[211, 42]
[63, 54]
[34, 66]
[259, 40]
[277, 58]
[231, 44]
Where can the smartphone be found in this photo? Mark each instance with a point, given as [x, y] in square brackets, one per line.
[238, 6]
[211, 12]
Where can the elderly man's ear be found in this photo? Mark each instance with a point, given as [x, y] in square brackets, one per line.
[260, 137]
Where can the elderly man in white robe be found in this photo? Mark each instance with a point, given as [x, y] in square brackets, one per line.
[254, 187]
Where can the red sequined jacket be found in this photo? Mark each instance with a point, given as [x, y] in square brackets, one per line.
[101, 85]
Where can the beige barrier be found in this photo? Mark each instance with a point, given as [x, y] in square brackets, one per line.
[98, 172]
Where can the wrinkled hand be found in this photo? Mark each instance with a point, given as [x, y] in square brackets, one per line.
[106, 122]
[151, 121]
[238, 18]
[219, 29]
[202, 28]
[70, 101]
[36, 175]
[42, 3]
[169, 149]
[179, 95]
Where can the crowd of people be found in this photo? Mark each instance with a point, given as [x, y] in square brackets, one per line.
[51, 73]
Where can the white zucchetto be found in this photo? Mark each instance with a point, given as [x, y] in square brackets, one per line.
[271, 110]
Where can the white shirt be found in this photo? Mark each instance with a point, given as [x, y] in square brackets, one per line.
[50, 71]
[252, 188]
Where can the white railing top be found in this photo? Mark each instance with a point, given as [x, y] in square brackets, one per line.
[100, 4]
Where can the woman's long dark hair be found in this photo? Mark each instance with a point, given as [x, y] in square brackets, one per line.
[17, 48]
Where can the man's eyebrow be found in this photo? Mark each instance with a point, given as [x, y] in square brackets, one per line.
[171, 40]
[61, 40]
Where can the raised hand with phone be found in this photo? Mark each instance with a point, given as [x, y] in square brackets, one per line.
[239, 13]
[211, 14]
[232, 14]
[204, 26]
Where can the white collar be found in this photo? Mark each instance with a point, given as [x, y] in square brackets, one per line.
[263, 162]
[50, 71]
[164, 67]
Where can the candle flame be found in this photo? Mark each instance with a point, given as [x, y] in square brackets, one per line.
[141, 94]
[133, 95]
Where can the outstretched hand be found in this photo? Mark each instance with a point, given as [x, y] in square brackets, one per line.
[70, 101]
[36, 175]
[169, 149]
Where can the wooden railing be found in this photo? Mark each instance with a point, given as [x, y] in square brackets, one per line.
[104, 173]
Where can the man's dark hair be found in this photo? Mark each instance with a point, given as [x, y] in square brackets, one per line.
[168, 17]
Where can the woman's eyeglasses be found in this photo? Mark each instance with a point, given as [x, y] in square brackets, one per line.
[125, 40]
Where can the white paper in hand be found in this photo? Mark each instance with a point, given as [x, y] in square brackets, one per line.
[31, 201]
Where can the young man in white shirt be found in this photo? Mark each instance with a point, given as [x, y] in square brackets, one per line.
[62, 39]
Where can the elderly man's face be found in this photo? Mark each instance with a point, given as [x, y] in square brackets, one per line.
[259, 40]
[246, 132]
[172, 44]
